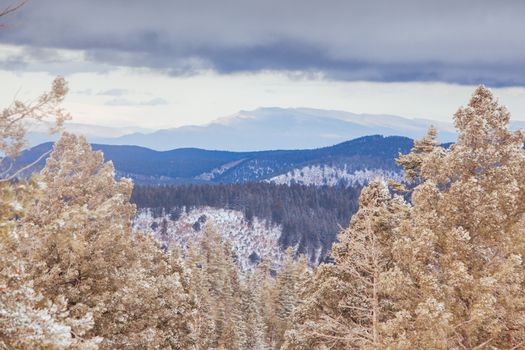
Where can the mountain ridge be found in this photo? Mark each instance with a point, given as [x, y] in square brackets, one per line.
[194, 165]
[266, 128]
[282, 128]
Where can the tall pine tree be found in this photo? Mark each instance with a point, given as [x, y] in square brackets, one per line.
[345, 305]
[459, 276]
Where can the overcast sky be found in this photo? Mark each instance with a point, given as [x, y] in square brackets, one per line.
[164, 63]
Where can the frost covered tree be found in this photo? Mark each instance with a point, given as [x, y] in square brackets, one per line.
[413, 161]
[78, 239]
[459, 275]
[251, 309]
[28, 320]
[239, 309]
[15, 119]
[345, 304]
[268, 322]
[199, 282]
[77, 228]
[215, 281]
[286, 289]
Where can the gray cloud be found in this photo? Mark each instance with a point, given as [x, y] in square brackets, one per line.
[412, 40]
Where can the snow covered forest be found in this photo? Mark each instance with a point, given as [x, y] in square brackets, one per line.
[430, 257]
[430, 262]
[306, 218]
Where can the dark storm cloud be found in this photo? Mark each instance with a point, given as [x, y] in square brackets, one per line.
[419, 40]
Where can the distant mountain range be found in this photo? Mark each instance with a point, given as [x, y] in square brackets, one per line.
[260, 129]
[157, 157]
[39, 133]
[278, 128]
[347, 162]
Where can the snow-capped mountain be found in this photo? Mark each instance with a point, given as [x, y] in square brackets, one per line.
[282, 128]
[264, 129]
[259, 129]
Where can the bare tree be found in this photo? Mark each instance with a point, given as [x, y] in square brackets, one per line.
[10, 9]
[15, 120]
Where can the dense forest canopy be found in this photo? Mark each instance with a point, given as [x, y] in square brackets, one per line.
[310, 216]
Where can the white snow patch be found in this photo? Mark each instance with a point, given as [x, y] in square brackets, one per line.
[319, 175]
[260, 237]
[218, 171]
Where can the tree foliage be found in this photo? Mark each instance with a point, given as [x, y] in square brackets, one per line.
[345, 305]
[445, 271]
[459, 256]
[80, 245]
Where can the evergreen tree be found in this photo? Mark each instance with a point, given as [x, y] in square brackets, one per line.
[29, 320]
[345, 304]
[286, 293]
[216, 282]
[459, 274]
[77, 237]
[204, 328]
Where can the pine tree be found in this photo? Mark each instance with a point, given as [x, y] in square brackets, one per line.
[345, 304]
[218, 288]
[412, 161]
[265, 304]
[28, 320]
[78, 240]
[459, 275]
[251, 309]
[286, 293]
[204, 326]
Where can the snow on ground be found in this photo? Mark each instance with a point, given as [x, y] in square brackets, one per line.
[249, 241]
[319, 175]
[218, 171]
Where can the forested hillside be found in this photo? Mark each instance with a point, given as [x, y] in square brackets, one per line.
[371, 155]
[310, 217]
